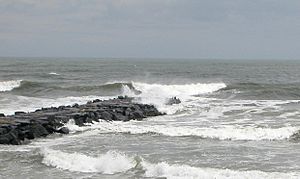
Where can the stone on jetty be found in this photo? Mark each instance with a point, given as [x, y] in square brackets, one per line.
[15, 129]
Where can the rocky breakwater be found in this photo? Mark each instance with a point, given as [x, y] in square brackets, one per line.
[21, 127]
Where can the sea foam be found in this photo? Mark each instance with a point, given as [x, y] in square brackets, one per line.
[9, 85]
[109, 163]
[164, 169]
[116, 162]
[220, 133]
[158, 94]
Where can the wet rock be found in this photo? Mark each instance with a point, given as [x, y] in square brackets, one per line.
[35, 131]
[2, 115]
[106, 116]
[295, 137]
[19, 128]
[63, 130]
[173, 100]
[20, 112]
[10, 138]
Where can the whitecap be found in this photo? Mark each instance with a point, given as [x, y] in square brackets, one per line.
[220, 133]
[9, 85]
[176, 171]
[110, 163]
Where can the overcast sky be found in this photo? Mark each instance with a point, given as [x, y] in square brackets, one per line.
[240, 29]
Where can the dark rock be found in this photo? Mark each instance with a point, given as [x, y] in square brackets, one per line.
[35, 131]
[106, 116]
[295, 136]
[19, 128]
[75, 105]
[119, 117]
[10, 138]
[20, 112]
[2, 115]
[173, 100]
[3, 131]
[63, 130]
[138, 114]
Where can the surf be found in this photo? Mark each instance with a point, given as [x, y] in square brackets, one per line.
[9, 85]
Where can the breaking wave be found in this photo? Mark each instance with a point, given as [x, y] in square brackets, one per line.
[222, 133]
[158, 94]
[109, 163]
[115, 162]
[9, 85]
[164, 169]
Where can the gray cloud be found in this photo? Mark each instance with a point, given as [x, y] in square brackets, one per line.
[151, 28]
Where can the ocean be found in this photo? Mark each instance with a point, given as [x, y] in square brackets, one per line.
[236, 119]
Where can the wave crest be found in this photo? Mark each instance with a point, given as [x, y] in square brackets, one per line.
[109, 163]
[115, 162]
[224, 133]
[164, 169]
[9, 85]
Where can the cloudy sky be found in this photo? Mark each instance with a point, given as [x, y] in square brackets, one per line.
[240, 29]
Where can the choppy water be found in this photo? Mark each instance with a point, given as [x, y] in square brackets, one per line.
[236, 119]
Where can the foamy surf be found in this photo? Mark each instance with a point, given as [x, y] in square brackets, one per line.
[114, 162]
[9, 85]
[110, 163]
[164, 169]
[220, 133]
[158, 94]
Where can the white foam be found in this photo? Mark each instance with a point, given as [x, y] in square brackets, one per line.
[158, 94]
[164, 169]
[9, 85]
[221, 133]
[109, 163]
[115, 162]
[53, 73]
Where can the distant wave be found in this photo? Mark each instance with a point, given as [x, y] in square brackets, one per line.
[221, 133]
[53, 73]
[115, 162]
[177, 171]
[9, 85]
[265, 91]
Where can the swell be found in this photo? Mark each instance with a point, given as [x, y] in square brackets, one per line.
[33, 86]
[265, 90]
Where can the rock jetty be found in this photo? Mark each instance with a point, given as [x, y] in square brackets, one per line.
[21, 127]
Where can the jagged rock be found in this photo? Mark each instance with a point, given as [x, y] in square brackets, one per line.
[63, 130]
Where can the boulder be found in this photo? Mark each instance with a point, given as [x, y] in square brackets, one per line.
[35, 131]
[63, 130]
[173, 100]
[106, 116]
[20, 112]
